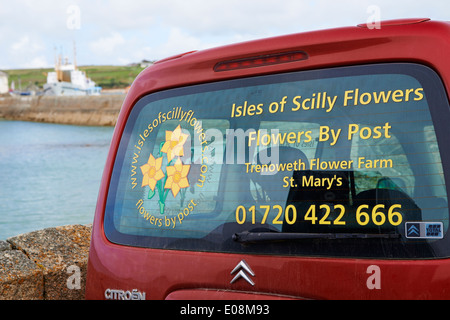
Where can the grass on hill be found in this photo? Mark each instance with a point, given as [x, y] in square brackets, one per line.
[107, 77]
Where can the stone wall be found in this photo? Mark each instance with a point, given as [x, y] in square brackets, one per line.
[48, 264]
[100, 110]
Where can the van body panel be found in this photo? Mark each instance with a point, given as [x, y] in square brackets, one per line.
[305, 278]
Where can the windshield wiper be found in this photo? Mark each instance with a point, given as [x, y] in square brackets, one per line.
[254, 237]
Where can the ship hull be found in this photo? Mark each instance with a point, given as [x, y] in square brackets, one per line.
[67, 89]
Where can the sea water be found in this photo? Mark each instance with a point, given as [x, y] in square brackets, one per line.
[49, 174]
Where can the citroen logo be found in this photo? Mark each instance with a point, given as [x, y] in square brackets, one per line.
[244, 271]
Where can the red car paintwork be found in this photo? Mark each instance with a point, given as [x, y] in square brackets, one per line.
[167, 274]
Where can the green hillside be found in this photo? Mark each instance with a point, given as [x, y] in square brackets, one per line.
[107, 77]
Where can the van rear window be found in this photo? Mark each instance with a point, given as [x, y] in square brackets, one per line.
[341, 162]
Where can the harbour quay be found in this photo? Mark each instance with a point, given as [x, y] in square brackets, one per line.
[90, 110]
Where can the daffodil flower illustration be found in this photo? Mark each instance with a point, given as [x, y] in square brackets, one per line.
[174, 143]
[152, 172]
[177, 177]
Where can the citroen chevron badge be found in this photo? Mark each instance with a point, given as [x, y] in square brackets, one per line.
[244, 270]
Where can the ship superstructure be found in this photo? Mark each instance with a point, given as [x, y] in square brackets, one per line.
[67, 79]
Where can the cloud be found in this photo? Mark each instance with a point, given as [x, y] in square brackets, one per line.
[107, 45]
[25, 43]
[114, 31]
[28, 52]
[37, 62]
[178, 41]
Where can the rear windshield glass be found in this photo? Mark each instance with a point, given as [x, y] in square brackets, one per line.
[342, 162]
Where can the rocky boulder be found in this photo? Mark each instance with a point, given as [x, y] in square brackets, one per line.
[47, 264]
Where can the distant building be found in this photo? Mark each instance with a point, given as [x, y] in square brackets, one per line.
[146, 63]
[4, 88]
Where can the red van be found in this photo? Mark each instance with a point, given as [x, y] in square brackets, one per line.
[306, 166]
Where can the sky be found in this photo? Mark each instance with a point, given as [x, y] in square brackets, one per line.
[120, 32]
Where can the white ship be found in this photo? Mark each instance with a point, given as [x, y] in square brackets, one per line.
[67, 80]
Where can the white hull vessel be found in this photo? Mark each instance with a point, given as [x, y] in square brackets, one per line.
[68, 80]
[69, 89]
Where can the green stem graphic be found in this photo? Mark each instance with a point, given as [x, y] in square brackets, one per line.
[160, 186]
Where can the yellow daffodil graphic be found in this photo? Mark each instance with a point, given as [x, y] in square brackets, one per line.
[174, 143]
[152, 172]
[175, 178]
